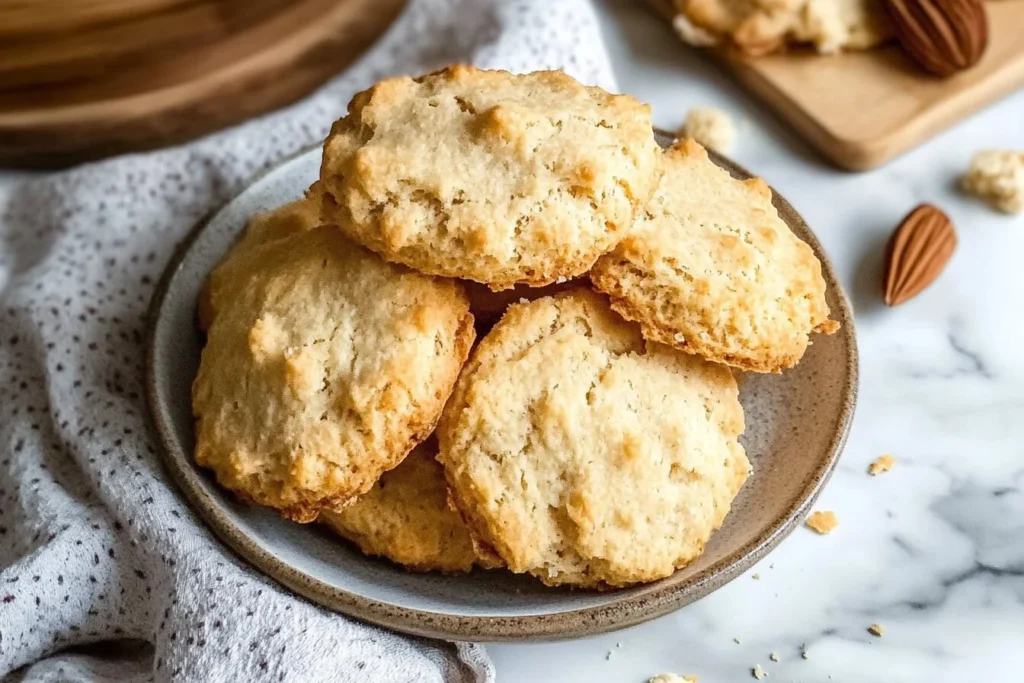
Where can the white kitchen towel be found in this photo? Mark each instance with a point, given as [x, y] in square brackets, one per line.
[96, 545]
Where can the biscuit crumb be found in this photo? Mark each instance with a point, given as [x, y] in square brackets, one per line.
[997, 176]
[736, 639]
[881, 464]
[756, 577]
[805, 654]
[822, 522]
[673, 678]
[758, 673]
[876, 630]
[712, 128]
[609, 655]
[774, 656]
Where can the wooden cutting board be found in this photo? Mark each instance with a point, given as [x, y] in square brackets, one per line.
[861, 109]
[106, 77]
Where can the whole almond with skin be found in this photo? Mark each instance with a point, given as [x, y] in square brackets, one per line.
[917, 253]
[941, 36]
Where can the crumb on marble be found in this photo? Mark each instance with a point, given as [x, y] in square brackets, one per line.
[805, 654]
[997, 176]
[774, 656]
[756, 577]
[712, 128]
[882, 463]
[822, 522]
[609, 655]
[876, 630]
[736, 639]
[758, 673]
[673, 678]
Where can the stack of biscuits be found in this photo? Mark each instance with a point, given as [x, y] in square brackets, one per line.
[501, 330]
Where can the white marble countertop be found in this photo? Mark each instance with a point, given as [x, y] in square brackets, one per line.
[933, 550]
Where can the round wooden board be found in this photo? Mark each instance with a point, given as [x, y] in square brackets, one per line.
[189, 91]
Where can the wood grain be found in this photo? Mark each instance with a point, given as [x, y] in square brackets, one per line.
[229, 61]
[861, 109]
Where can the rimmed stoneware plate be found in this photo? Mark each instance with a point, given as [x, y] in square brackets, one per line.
[796, 426]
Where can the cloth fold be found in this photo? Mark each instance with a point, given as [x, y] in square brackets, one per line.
[96, 546]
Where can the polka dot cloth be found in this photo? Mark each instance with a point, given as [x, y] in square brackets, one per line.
[96, 545]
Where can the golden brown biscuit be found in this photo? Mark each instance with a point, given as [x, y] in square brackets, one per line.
[406, 518]
[490, 176]
[327, 369]
[298, 216]
[712, 270]
[584, 455]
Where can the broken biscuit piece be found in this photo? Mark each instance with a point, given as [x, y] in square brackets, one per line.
[883, 463]
[822, 522]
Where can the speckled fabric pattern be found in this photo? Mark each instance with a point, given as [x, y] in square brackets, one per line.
[96, 545]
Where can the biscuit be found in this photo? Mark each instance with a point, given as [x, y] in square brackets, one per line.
[298, 216]
[712, 270]
[405, 517]
[489, 176]
[758, 27]
[584, 455]
[329, 366]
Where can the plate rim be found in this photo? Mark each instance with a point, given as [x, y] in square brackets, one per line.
[658, 600]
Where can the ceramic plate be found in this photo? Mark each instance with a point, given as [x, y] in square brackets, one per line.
[796, 426]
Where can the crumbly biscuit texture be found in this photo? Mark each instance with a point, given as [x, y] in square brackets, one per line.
[269, 226]
[489, 176]
[584, 455]
[997, 176]
[406, 518]
[835, 25]
[762, 26]
[712, 128]
[712, 269]
[327, 369]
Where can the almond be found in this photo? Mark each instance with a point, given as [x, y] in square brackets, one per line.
[917, 253]
[941, 36]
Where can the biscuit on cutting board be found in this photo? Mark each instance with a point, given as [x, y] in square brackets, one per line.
[760, 26]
